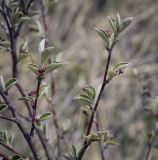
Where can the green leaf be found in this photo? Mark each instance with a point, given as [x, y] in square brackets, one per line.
[10, 139]
[10, 83]
[27, 98]
[33, 68]
[111, 75]
[83, 98]
[103, 35]
[22, 56]
[2, 83]
[74, 152]
[90, 91]
[38, 124]
[24, 47]
[125, 23]
[5, 136]
[44, 89]
[45, 116]
[53, 66]
[46, 53]
[45, 130]
[16, 157]
[121, 66]
[3, 107]
[113, 24]
[118, 19]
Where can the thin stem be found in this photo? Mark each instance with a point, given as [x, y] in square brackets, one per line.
[150, 144]
[101, 148]
[34, 107]
[10, 149]
[58, 131]
[104, 82]
[8, 119]
[43, 142]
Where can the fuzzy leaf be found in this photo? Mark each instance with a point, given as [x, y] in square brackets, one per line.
[53, 66]
[10, 83]
[27, 98]
[45, 116]
[42, 45]
[83, 98]
[38, 124]
[90, 91]
[111, 75]
[33, 68]
[121, 66]
[102, 34]
[113, 24]
[22, 56]
[125, 23]
[46, 53]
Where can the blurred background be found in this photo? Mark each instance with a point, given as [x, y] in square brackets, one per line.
[123, 107]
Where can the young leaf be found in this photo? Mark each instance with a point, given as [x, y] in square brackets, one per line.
[90, 91]
[46, 53]
[111, 75]
[10, 83]
[22, 56]
[53, 66]
[38, 124]
[45, 116]
[16, 157]
[3, 107]
[125, 23]
[2, 83]
[10, 139]
[44, 89]
[83, 98]
[121, 66]
[33, 68]
[27, 98]
[74, 152]
[6, 137]
[24, 47]
[113, 24]
[102, 34]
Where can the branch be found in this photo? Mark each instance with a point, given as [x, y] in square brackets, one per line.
[43, 142]
[101, 147]
[104, 82]
[34, 107]
[11, 149]
[19, 124]
[8, 119]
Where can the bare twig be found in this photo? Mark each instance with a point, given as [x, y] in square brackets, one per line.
[104, 82]
[10, 149]
[34, 107]
[101, 147]
[8, 119]
[42, 140]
